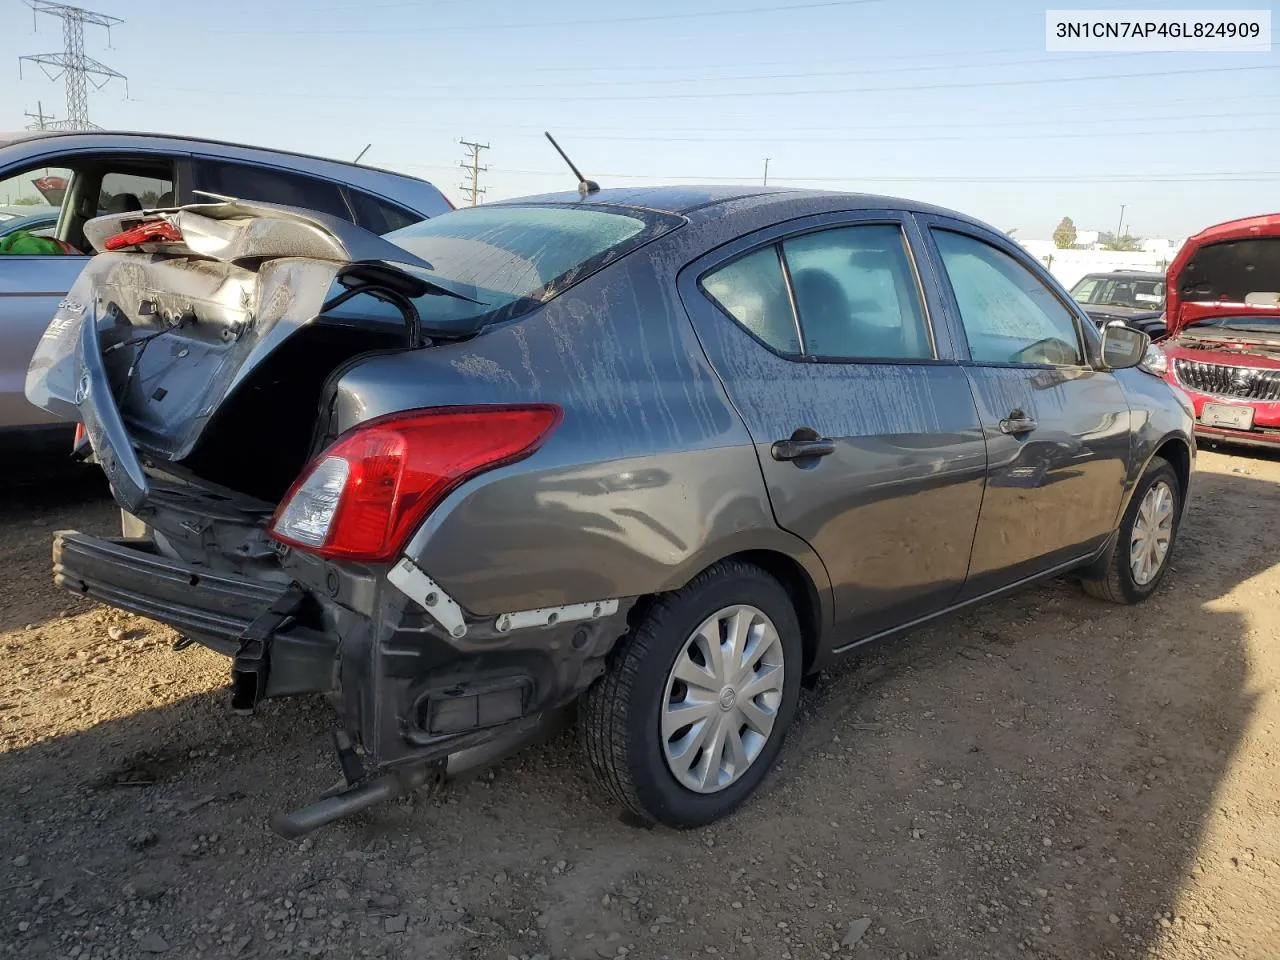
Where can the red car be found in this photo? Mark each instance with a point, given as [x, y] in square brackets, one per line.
[1223, 316]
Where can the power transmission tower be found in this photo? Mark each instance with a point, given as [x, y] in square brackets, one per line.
[473, 190]
[76, 69]
[41, 120]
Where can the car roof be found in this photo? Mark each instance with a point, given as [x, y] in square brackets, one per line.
[1127, 274]
[413, 192]
[684, 200]
[115, 136]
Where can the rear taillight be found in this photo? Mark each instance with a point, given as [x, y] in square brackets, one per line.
[364, 496]
[152, 231]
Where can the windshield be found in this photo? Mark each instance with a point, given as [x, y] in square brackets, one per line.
[509, 259]
[1120, 292]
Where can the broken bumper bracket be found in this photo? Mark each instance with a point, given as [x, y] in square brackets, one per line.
[252, 662]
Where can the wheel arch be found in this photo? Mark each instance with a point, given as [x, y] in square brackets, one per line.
[794, 565]
[1177, 451]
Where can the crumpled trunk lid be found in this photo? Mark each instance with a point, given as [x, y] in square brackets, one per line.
[151, 343]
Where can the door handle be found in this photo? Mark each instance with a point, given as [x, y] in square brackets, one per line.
[802, 449]
[1017, 423]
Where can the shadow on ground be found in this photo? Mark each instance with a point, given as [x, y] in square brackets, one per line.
[33, 500]
[1028, 779]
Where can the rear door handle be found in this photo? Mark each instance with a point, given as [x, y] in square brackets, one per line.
[802, 449]
[1017, 424]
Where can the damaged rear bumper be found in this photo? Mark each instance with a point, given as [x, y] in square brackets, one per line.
[414, 677]
[217, 610]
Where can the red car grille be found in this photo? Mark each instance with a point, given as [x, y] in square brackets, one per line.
[1244, 383]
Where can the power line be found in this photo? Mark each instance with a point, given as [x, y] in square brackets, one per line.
[803, 75]
[577, 22]
[1009, 119]
[1230, 176]
[473, 190]
[771, 136]
[665, 68]
[72, 65]
[755, 94]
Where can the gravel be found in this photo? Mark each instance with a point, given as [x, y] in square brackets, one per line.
[1044, 776]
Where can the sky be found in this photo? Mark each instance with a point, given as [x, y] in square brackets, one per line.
[954, 103]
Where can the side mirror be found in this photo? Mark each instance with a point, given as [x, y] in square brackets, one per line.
[1122, 346]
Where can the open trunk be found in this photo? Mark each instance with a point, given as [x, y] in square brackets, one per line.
[200, 358]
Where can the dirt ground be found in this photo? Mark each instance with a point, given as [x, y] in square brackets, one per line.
[1046, 776]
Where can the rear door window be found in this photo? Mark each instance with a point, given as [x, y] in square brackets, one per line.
[244, 181]
[857, 295]
[377, 215]
[126, 192]
[753, 291]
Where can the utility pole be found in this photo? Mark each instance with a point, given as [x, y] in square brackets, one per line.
[71, 65]
[473, 190]
[42, 121]
[1121, 223]
[766, 171]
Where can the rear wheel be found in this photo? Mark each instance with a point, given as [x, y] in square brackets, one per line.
[695, 705]
[1144, 545]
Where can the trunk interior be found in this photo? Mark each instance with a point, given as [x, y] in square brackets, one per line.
[266, 431]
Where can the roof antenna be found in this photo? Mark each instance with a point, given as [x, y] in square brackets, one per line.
[585, 187]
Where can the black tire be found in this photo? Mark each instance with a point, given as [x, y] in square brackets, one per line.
[619, 718]
[1118, 584]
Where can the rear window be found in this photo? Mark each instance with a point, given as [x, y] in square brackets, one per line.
[509, 259]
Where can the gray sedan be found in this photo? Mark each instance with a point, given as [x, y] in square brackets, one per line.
[666, 451]
[77, 176]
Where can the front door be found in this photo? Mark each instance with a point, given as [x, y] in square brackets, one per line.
[865, 428]
[1057, 428]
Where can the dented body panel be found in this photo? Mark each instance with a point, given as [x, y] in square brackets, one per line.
[507, 599]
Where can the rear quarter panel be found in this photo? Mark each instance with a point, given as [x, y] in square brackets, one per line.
[650, 477]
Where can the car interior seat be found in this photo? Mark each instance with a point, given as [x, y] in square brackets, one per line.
[824, 313]
[123, 203]
[884, 317]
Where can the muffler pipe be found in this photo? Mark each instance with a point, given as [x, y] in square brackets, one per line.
[461, 764]
[298, 823]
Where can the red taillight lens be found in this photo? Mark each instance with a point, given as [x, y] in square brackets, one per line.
[153, 231]
[365, 495]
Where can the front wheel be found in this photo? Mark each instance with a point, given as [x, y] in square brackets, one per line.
[1144, 544]
[693, 710]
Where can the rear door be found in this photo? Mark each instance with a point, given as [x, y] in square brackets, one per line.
[250, 181]
[32, 284]
[864, 426]
[1057, 428]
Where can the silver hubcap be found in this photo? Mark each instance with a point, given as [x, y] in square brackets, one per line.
[1152, 534]
[722, 698]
